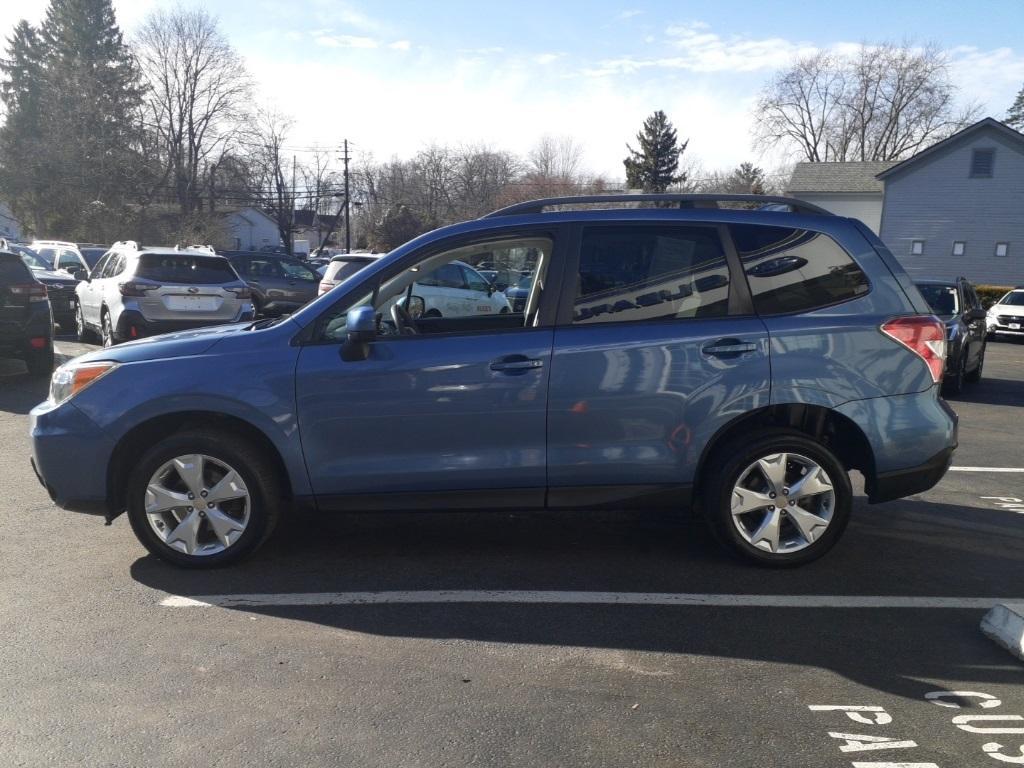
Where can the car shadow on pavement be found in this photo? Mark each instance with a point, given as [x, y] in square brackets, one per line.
[19, 392]
[908, 548]
[991, 391]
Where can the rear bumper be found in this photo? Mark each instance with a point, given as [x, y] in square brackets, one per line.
[14, 336]
[132, 325]
[906, 482]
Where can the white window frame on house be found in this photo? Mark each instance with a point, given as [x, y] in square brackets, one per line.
[1006, 250]
[959, 247]
[917, 247]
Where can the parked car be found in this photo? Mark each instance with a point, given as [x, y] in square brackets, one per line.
[501, 279]
[62, 255]
[60, 284]
[26, 324]
[957, 305]
[279, 285]
[136, 292]
[455, 289]
[518, 293]
[342, 267]
[623, 385]
[1006, 316]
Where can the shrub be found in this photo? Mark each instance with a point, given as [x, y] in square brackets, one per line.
[990, 294]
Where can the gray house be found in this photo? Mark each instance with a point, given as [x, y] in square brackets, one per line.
[846, 189]
[957, 207]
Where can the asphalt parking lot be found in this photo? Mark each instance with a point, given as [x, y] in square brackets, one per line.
[562, 640]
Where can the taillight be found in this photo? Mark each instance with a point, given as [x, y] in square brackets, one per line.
[925, 336]
[34, 291]
[242, 293]
[132, 288]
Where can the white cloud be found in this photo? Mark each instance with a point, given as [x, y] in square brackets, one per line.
[547, 58]
[400, 45]
[629, 14]
[345, 41]
[992, 78]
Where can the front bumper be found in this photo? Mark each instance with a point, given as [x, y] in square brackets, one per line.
[70, 455]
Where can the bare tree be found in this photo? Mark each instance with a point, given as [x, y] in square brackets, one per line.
[272, 170]
[198, 91]
[555, 157]
[883, 102]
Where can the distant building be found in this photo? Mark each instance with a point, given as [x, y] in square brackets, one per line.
[251, 229]
[314, 227]
[957, 207]
[846, 189]
[10, 227]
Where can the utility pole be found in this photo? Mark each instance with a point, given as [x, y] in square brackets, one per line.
[348, 206]
[291, 238]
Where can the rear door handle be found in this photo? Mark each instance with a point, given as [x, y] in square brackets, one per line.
[516, 364]
[728, 347]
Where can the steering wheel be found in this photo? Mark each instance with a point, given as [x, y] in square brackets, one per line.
[403, 320]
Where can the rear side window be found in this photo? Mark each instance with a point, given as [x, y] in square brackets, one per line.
[339, 270]
[630, 273]
[13, 271]
[794, 270]
[190, 270]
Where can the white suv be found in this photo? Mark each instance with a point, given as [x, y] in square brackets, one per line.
[135, 292]
[1006, 316]
[62, 255]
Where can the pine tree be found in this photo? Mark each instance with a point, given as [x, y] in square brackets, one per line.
[1015, 117]
[654, 167]
[747, 179]
[22, 151]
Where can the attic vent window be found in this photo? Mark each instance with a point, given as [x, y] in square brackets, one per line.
[982, 161]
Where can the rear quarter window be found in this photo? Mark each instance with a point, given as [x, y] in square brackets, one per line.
[189, 270]
[795, 270]
[342, 270]
[13, 271]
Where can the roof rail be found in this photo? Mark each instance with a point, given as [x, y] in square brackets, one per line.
[129, 244]
[684, 201]
[206, 248]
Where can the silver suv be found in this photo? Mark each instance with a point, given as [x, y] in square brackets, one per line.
[136, 292]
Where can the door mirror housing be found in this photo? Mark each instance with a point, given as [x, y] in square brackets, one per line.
[977, 314]
[361, 327]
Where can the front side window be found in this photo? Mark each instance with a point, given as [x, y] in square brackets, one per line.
[259, 268]
[295, 271]
[794, 270]
[639, 272]
[114, 267]
[442, 294]
[101, 266]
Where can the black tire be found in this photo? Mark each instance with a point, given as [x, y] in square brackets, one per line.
[975, 376]
[257, 470]
[724, 468]
[85, 334]
[107, 338]
[40, 363]
[954, 385]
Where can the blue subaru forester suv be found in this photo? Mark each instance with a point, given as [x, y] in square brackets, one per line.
[672, 351]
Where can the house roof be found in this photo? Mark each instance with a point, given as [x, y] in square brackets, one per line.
[838, 177]
[985, 123]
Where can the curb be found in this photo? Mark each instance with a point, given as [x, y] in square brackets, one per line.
[1004, 624]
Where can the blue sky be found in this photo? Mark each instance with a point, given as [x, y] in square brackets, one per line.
[394, 76]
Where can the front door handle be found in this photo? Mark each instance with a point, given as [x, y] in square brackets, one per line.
[728, 347]
[516, 364]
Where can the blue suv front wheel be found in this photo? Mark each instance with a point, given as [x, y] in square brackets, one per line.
[201, 499]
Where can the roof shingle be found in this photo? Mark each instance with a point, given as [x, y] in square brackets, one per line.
[837, 177]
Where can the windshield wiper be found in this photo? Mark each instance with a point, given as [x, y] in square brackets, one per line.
[266, 322]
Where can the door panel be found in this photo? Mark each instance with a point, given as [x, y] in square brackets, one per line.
[427, 414]
[636, 403]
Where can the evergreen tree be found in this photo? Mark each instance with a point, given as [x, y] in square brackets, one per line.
[22, 150]
[654, 167]
[747, 179]
[73, 97]
[1015, 117]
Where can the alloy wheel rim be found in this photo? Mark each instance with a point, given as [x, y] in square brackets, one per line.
[108, 333]
[79, 322]
[782, 503]
[197, 505]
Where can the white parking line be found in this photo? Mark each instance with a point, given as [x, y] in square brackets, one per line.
[577, 598]
[986, 469]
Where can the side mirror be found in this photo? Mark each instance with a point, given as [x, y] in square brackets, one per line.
[977, 314]
[361, 326]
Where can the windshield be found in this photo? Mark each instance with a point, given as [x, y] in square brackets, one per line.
[941, 298]
[1013, 299]
[32, 259]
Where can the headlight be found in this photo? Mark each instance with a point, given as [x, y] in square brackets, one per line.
[72, 378]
